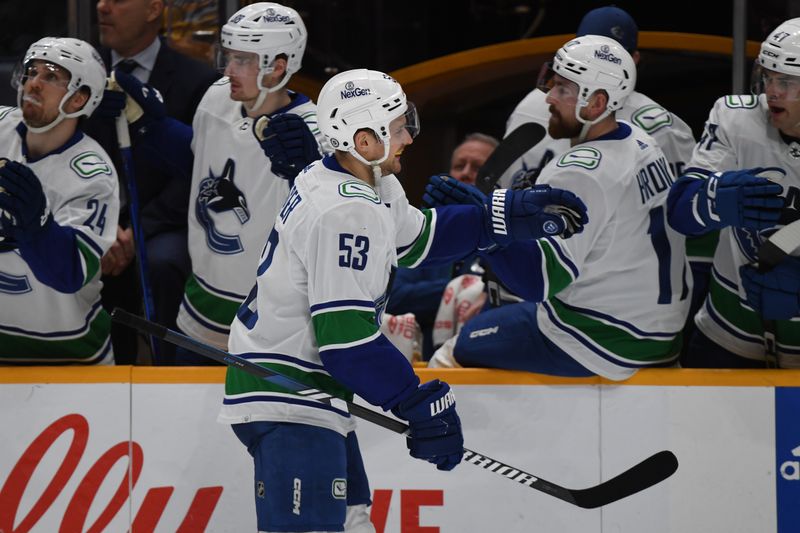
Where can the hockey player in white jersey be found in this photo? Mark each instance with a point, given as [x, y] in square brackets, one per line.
[672, 134]
[236, 192]
[610, 300]
[58, 210]
[318, 300]
[755, 132]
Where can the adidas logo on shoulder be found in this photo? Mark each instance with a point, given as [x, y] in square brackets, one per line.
[641, 144]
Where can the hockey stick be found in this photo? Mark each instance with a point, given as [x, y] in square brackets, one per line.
[124, 141]
[652, 470]
[779, 245]
[511, 148]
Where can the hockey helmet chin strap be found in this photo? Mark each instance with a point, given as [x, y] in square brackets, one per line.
[264, 91]
[587, 124]
[56, 121]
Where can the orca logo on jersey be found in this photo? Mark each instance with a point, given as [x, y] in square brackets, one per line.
[351, 91]
[89, 164]
[218, 194]
[442, 404]
[499, 212]
[605, 54]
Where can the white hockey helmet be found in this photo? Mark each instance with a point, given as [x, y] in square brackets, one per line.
[267, 30]
[80, 59]
[781, 50]
[362, 99]
[594, 62]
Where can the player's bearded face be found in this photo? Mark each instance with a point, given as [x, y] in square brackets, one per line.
[43, 87]
[783, 98]
[398, 140]
[562, 99]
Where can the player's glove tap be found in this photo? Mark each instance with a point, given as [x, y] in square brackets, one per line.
[287, 142]
[434, 427]
[514, 215]
[739, 198]
[774, 295]
[142, 104]
[23, 199]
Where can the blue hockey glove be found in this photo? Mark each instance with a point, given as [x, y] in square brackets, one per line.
[741, 199]
[24, 200]
[287, 142]
[111, 105]
[775, 295]
[446, 190]
[145, 105]
[514, 215]
[435, 429]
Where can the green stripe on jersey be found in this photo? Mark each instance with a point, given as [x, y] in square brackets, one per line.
[28, 349]
[703, 246]
[616, 340]
[238, 381]
[726, 304]
[343, 327]
[558, 276]
[213, 307]
[414, 253]
[91, 260]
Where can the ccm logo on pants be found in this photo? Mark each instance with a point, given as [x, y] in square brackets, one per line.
[483, 332]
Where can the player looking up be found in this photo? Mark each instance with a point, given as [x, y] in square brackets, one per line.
[615, 297]
[760, 130]
[58, 210]
[319, 296]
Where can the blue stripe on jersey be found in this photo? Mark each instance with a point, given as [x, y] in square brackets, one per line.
[89, 242]
[55, 334]
[187, 305]
[556, 244]
[218, 292]
[721, 322]
[455, 234]
[66, 273]
[375, 370]
[626, 363]
[285, 399]
[724, 281]
[268, 357]
[627, 325]
[365, 304]
[519, 267]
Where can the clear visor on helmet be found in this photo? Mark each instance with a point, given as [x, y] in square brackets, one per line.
[407, 122]
[43, 71]
[776, 85]
[236, 63]
[556, 86]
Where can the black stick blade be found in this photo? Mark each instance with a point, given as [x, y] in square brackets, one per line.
[649, 472]
[519, 141]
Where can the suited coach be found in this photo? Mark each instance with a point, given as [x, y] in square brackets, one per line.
[129, 39]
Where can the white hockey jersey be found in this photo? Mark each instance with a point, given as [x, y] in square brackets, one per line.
[233, 202]
[616, 296]
[738, 135]
[321, 285]
[39, 324]
[671, 133]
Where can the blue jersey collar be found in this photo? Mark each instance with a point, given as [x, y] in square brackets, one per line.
[22, 130]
